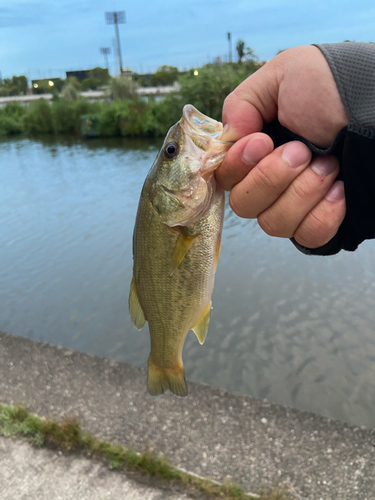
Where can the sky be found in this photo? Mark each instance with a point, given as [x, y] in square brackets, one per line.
[43, 39]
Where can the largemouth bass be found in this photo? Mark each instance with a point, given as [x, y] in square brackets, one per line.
[176, 245]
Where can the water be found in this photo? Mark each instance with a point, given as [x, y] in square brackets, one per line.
[296, 330]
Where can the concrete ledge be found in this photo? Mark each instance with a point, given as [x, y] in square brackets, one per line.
[212, 433]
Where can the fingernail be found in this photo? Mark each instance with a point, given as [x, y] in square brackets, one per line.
[296, 154]
[336, 193]
[251, 155]
[324, 165]
[224, 132]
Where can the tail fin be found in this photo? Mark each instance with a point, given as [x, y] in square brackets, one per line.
[161, 379]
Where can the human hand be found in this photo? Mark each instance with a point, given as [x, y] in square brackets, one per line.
[290, 195]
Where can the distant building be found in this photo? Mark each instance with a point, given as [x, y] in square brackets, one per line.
[80, 74]
[126, 71]
[46, 85]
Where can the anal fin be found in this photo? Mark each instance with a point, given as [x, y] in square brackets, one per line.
[200, 329]
[136, 312]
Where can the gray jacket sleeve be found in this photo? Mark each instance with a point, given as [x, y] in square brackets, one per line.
[353, 67]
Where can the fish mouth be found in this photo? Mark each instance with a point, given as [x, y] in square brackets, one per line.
[205, 133]
[201, 124]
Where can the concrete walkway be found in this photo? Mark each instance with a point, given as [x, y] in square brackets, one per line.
[27, 473]
[212, 433]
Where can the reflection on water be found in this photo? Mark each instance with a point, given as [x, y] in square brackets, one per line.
[293, 329]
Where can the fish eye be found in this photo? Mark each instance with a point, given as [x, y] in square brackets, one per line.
[171, 149]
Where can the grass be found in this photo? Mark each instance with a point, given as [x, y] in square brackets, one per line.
[17, 421]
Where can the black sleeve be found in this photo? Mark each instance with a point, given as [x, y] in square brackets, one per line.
[353, 67]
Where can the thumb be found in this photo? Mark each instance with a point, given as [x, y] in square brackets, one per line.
[251, 104]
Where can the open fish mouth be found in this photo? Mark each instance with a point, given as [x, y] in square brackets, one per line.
[205, 133]
[198, 123]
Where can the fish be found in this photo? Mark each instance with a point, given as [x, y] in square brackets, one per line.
[176, 245]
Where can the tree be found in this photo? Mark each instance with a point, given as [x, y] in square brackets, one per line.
[240, 47]
[165, 75]
[208, 89]
[20, 82]
[17, 85]
[123, 88]
[100, 75]
[73, 80]
[251, 55]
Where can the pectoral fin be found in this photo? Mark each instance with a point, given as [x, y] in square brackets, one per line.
[200, 329]
[135, 308]
[182, 247]
[217, 251]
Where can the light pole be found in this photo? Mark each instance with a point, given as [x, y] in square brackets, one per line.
[117, 18]
[105, 51]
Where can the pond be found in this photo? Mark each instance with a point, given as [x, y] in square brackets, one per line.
[294, 329]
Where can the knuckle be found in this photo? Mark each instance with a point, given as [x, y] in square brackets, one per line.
[316, 230]
[301, 188]
[270, 226]
[264, 178]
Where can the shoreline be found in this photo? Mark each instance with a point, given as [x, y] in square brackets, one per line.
[212, 433]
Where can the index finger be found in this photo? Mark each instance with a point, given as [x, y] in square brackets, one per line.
[241, 158]
[251, 104]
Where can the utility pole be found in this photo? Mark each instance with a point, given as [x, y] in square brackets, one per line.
[229, 48]
[117, 18]
[105, 51]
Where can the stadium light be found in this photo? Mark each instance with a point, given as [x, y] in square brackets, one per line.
[116, 18]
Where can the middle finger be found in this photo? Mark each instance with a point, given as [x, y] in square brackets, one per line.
[269, 179]
[304, 193]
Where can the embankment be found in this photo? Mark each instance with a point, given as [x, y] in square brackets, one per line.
[212, 432]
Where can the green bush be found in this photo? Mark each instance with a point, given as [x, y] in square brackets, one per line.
[67, 115]
[11, 118]
[10, 125]
[123, 117]
[14, 109]
[207, 90]
[38, 117]
[107, 121]
[127, 115]
[131, 118]
[123, 88]
[160, 116]
[70, 93]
